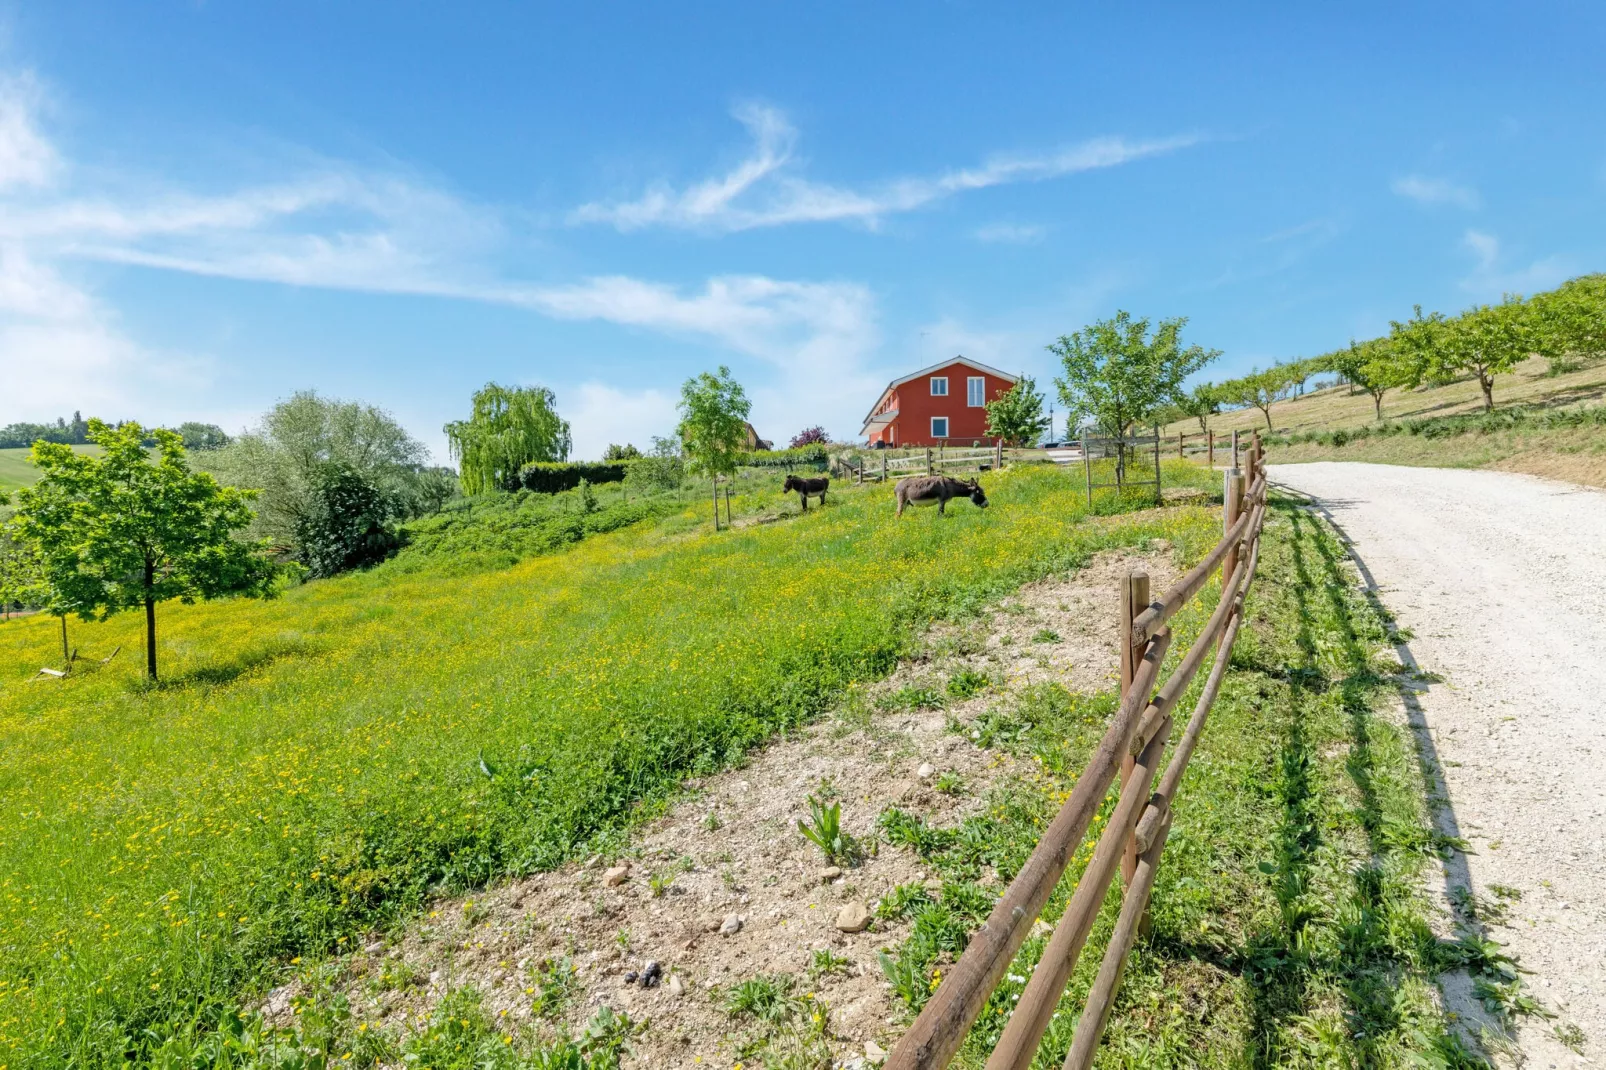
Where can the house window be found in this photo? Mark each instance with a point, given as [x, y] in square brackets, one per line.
[939, 386]
[976, 391]
[939, 425]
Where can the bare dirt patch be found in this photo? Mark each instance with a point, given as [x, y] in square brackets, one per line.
[723, 887]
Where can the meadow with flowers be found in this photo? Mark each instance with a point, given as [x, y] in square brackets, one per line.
[316, 767]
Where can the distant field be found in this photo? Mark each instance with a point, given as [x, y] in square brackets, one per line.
[314, 767]
[15, 471]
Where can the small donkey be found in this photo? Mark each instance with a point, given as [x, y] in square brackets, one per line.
[807, 488]
[937, 490]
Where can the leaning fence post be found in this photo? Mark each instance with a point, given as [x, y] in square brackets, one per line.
[1134, 600]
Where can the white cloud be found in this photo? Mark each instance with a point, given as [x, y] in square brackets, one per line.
[1489, 280]
[761, 191]
[600, 414]
[345, 229]
[1011, 233]
[1437, 191]
[26, 158]
[1486, 247]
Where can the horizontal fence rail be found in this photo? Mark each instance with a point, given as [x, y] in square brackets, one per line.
[931, 462]
[1135, 836]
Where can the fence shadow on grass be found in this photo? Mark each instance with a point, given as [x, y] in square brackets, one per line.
[1473, 1023]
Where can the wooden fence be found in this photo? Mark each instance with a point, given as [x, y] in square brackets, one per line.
[882, 467]
[1136, 834]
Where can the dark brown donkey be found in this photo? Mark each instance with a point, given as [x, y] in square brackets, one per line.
[937, 490]
[807, 488]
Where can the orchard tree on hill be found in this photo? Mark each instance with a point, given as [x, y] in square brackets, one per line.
[1118, 374]
[1485, 341]
[1374, 366]
[1201, 403]
[508, 428]
[1016, 416]
[121, 530]
[1262, 389]
[713, 424]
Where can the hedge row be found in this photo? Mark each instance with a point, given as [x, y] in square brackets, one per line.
[552, 477]
[814, 455]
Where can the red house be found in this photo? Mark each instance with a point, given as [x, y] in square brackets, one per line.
[936, 406]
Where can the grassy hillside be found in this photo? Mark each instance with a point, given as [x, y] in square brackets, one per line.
[314, 767]
[1442, 426]
[15, 471]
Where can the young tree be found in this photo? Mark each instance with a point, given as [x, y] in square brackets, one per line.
[1016, 416]
[713, 424]
[661, 469]
[119, 530]
[1486, 341]
[616, 452]
[1201, 403]
[1262, 389]
[508, 428]
[1118, 374]
[198, 436]
[1374, 366]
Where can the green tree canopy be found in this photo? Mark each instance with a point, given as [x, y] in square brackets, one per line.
[1201, 403]
[1016, 416]
[713, 421]
[282, 457]
[348, 524]
[1118, 374]
[1375, 366]
[121, 530]
[1485, 341]
[508, 428]
[1262, 389]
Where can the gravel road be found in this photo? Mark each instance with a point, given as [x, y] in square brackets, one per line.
[1502, 580]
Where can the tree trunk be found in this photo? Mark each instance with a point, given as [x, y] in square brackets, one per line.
[1267, 413]
[1377, 405]
[66, 657]
[1486, 381]
[150, 621]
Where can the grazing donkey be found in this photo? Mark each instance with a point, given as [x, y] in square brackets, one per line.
[936, 490]
[807, 488]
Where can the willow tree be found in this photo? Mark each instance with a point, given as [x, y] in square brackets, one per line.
[509, 427]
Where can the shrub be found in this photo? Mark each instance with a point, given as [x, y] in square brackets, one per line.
[552, 477]
[809, 436]
[812, 456]
[345, 527]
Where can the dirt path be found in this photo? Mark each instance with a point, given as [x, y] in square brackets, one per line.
[1501, 581]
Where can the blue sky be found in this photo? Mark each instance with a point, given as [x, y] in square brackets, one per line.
[208, 205]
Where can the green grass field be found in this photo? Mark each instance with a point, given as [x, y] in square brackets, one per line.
[315, 767]
[15, 471]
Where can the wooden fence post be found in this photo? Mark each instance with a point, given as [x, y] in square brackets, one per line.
[1134, 600]
[1212, 450]
[1180, 436]
[883, 466]
[716, 503]
[930, 469]
[998, 462]
[1232, 491]
[1234, 450]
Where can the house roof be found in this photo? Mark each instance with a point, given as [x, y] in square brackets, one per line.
[912, 376]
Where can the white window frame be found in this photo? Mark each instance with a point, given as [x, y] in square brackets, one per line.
[976, 391]
[936, 390]
[944, 432]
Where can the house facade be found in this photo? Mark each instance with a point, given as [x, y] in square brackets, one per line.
[943, 405]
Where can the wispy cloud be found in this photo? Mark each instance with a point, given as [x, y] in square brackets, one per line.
[1425, 190]
[763, 190]
[339, 227]
[1489, 280]
[1011, 233]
